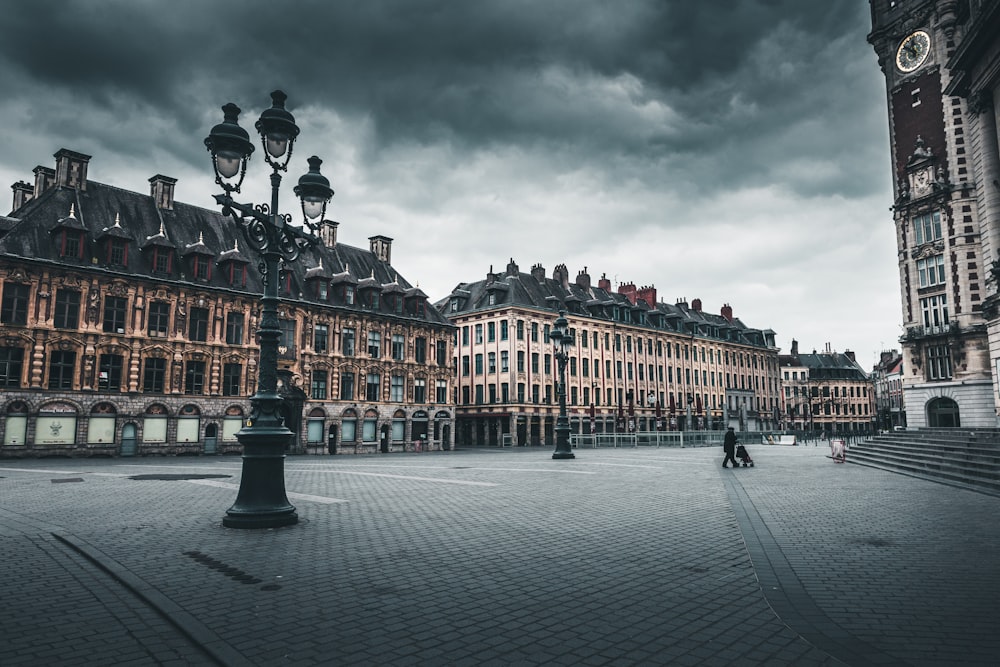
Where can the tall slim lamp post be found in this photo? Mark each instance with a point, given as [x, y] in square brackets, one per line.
[261, 501]
[562, 340]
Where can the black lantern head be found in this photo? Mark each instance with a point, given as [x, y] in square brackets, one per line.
[315, 192]
[230, 147]
[277, 131]
[560, 334]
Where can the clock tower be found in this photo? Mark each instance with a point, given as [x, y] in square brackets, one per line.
[945, 247]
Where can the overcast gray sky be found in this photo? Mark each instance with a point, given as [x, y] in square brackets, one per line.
[734, 151]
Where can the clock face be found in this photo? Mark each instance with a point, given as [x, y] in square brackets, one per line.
[913, 51]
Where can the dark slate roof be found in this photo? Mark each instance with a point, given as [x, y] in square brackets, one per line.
[184, 229]
[519, 289]
[831, 366]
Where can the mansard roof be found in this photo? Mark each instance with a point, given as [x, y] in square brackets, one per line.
[516, 289]
[100, 210]
[831, 366]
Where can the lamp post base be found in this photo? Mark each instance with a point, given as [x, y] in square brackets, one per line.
[563, 455]
[261, 502]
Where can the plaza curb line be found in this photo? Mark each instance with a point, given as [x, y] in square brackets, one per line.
[214, 646]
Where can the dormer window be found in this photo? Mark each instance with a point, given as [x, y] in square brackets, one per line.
[201, 267]
[349, 295]
[286, 283]
[322, 290]
[454, 305]
[376, 301]
[236, 274]
[163, 260]
[492, 299]
[117, 252]
[398, 306]
[71, 244]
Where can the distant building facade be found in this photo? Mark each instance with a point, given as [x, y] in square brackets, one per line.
[836, 397]
[636, 365]
[939, 60]
[128, 321]
[887, 381]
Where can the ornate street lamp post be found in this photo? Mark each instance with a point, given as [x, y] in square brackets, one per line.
[562, 339]
[262, 502]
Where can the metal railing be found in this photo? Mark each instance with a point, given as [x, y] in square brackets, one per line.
[653, 439]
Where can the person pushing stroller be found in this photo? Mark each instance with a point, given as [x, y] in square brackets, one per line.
[729, 447]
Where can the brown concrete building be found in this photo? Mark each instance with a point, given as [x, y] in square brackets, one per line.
[941, 61]
[637, 364]
[127, 326]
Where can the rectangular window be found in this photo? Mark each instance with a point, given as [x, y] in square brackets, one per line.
[442, 391]
[548, 364]
[109, 372]
[374, 344]
[11, 366]
[465, 365]
[232, 375]
[234, 328]
[534, 332]
[347, 387]
[349, 295]
[317, 389]
[159, 318]
[194, 377]
[201, 267]
[14, 309]
[72, 246]
[321, 338]
[396, 389]
[465, 335]
[930, 271]
[67, 314]
[491, 332]
[492, 362]
[504, 361]
[161, 260]
[286, 344]
[420, 350]
[479, 333]
[503, 330]
[520, 329]
[347, 339]
[534, 362]
[398, 347]
[938, 362]
[479, 364]
[154, 374]
[520, 361]
[442, 353]
[372, 387]
[114, 314]
[935, 312]
[927, 227]
[198, 326]
[61, 365]
[117, 252]
[420, 390]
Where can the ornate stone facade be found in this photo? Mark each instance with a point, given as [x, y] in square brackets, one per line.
[127, 326]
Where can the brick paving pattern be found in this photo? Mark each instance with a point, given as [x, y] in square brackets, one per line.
[499, 557]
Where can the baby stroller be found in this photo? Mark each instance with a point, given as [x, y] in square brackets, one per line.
[743, 456]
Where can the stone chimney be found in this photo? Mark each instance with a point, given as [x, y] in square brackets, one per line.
[727, 312]
[583, 279]
[538, 272]
[561, 275]
[328, 233]
[490, 276]
[381, 247]
[23, 193]
[512, 268]
[682, 302]
[45, 178]
[628, 290]
[161, 189]
[71, 169]
[603, 282]
[795, 348]
[648, 294]
[696, 305]
[850, 355]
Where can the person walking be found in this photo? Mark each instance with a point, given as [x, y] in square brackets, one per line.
[729, 446]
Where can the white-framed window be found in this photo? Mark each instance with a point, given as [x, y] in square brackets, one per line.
[927, 227]
[930, 271]
[396, 389]
[935, 311]
[938, 362]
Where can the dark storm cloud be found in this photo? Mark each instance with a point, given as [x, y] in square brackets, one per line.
[672, 84]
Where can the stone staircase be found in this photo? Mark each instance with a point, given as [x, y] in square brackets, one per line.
[964, 457]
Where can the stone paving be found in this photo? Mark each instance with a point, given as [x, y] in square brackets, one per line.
[499, 557]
